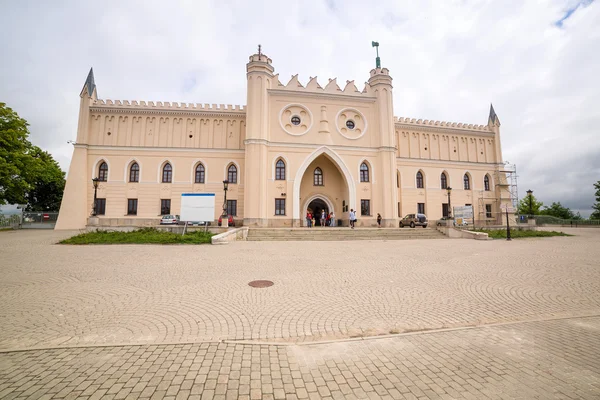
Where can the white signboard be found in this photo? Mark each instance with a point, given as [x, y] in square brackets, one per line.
[464, 212]
[197, 207]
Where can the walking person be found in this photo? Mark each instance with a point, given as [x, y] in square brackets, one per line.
[379, 219]
[332, 218]
[352, 218]
[322, 217]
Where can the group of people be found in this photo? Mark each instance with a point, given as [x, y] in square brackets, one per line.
[328, 219]
[325, 219]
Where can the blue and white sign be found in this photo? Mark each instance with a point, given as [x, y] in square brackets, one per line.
[197, 207]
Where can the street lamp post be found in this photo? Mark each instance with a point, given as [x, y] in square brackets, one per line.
[225, 217]
[529, 193]
[449, 190]
[95, 182]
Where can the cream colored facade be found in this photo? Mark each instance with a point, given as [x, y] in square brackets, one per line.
[306, 127]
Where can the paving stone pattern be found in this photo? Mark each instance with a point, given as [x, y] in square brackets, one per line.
[55, 295]
[536, 360]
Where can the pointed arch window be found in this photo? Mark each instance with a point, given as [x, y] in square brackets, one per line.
[134, 172]
[232, 174]
[486, 183]
[420, 180]
[318, 177]
[199, 178]
[364, 172]
[103, 172]
[280, 170]
[467, 182]
[444, 180]
[167, 173]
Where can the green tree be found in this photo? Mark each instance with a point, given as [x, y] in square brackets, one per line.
[596, 206]
[523, 208]
[28, 175]
[558, 210]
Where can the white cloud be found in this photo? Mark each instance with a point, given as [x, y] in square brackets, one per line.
[449, 60]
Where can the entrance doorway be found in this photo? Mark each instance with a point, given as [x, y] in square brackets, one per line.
[316, 207]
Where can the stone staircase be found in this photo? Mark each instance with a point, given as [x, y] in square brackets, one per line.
[341, 234]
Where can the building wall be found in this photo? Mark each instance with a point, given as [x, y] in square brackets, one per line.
[254, 138]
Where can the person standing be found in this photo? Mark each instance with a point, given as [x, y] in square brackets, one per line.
[308, 219]
[322, 217]
[332, 218]
[379, 220]
[352, 218]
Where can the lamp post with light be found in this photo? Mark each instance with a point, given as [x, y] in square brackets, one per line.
[225, 217]
[95, 182]
[449, 190]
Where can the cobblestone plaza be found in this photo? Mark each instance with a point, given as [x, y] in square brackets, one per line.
[370, 319]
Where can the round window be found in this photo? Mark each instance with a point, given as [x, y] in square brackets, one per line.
[295, 120]
[350, 124]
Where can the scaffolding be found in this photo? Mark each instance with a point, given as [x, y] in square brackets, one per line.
[505, 192]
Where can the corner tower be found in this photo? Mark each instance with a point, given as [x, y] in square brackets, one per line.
[380, 82]
[260, 79]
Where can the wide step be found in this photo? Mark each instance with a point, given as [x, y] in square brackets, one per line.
[341, 234]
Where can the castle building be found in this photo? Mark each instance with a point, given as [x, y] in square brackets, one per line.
[292, 148]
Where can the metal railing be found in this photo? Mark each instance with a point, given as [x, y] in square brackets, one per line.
[10, 221]
[550, 220]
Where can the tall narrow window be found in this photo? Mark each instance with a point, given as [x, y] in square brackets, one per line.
[421, 208]
[132, 206]
[165, 206]
[103, 172]
[444, 180]
[444, 209]
[232, 174]
[167, 175]
[100, 206]
[318, 177]
[420, 180]
[279, 206]
[364, 172]
[134, 173]
[280, 170]
[467, 182]
[232, 207]
[486, 183]
[488, 211]
[365, 207]
[199, 174]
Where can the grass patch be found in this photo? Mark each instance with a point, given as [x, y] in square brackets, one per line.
[141, 236]
[5, 229]
[520, 233]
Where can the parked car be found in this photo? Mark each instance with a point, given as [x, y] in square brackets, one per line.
[413, 220]
[442, 221]
[229, 220]
[169, 219]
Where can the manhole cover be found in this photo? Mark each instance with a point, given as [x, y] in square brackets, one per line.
[260, 284]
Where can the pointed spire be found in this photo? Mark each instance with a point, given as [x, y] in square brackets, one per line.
[89, 84]
[493, 118]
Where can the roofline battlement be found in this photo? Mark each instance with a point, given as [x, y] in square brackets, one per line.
[332, 87]
[165, 105]
[441, 124]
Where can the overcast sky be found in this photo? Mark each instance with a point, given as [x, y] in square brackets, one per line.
[537, 61]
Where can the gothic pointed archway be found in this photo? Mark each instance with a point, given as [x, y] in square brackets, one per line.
[337, 185]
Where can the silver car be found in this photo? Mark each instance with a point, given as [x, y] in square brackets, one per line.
[169, 219]
[413, 220]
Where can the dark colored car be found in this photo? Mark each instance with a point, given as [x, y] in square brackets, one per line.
[229, 220]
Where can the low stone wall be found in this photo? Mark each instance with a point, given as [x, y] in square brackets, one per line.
[454, 233]
[232, 235]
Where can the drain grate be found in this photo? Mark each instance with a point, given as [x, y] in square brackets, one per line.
[260, 284]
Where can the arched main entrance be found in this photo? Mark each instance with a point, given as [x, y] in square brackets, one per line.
[325, 180]
[315, 205]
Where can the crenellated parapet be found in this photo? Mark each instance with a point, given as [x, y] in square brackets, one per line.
[332, 87]
[401, 121]
[162, 107]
